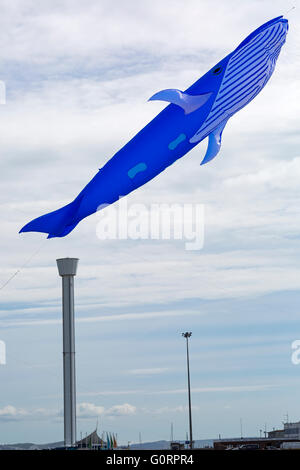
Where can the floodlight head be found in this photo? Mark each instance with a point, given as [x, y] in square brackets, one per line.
[187, 334]
[67, 266]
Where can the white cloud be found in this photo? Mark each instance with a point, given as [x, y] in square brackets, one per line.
[121, 410]
[171, 409]
[61, 30]
[175, 391]
[11, 412]
[154, 371]
[103, 318]
[88, 410]
[276, 175]
[85, 410]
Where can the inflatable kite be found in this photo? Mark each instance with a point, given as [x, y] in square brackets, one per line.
[200, 111]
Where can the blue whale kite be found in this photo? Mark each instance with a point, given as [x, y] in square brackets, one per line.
[200, 111]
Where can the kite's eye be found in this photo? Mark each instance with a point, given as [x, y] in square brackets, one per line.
[217, 70]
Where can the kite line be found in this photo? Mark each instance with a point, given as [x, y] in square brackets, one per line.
[23, 265]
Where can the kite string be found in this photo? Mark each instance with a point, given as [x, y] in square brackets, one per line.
[293, 8]
[23, 265]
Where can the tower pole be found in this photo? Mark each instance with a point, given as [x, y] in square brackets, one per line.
[67, 268]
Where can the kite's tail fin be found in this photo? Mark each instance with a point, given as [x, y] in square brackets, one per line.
[57, 223]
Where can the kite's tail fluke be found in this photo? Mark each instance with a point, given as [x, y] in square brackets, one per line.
[57, 223]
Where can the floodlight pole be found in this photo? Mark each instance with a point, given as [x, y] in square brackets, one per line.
[67, 268]
[187, 335]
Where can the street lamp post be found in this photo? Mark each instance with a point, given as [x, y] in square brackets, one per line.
[187, 335]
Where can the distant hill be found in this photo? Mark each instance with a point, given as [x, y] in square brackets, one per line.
[161, 445]
[30, 446]
[156, 445]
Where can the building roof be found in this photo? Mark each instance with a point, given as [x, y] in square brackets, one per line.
[92, 438]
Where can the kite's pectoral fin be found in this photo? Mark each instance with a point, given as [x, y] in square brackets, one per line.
[214, 143]
[188, 103]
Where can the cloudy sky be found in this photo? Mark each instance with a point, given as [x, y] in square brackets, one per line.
[78, 76]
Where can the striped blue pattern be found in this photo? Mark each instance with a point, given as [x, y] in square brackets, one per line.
[247, 72]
